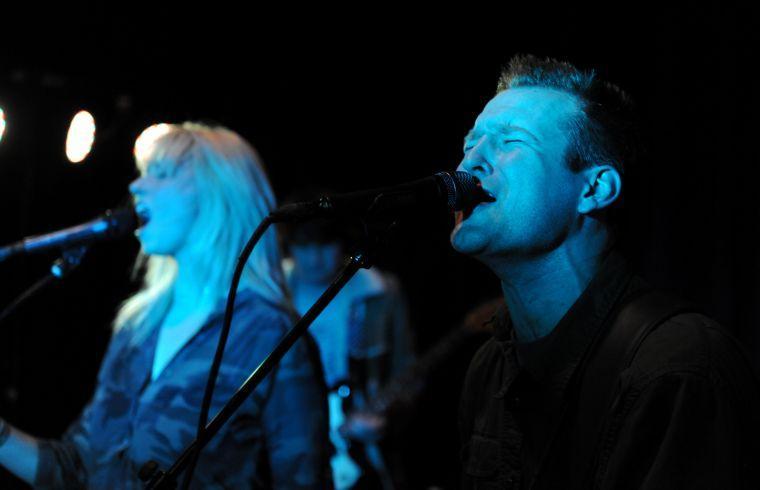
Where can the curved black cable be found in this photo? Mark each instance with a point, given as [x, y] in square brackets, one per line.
[28, 293]
[216, 363]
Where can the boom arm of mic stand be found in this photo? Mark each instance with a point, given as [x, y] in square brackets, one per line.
[168, 480]
[69, 260]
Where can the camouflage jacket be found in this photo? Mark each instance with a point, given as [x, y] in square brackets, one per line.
[132, 419]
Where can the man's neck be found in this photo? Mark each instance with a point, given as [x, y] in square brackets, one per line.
[540, 290]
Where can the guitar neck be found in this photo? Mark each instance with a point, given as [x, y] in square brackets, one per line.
[410, 383]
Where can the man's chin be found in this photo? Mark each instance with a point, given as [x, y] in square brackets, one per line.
[465, 242]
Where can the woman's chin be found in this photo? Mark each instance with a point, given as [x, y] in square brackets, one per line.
[153, 249]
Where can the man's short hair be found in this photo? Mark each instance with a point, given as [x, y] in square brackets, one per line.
[603, 133]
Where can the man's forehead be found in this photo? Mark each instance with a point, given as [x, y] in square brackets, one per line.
[535, 108]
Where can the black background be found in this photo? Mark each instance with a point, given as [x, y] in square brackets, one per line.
[349, 99]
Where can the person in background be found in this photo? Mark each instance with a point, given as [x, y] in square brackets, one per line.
[200, 194]
[364, 340]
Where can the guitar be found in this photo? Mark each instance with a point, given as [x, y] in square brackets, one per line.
[365, 424]
[346, 472]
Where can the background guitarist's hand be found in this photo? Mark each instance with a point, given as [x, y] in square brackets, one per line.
[365, 427]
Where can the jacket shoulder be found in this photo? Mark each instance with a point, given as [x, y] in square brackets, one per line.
[693, 344]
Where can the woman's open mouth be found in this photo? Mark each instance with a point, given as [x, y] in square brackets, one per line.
[143, 215]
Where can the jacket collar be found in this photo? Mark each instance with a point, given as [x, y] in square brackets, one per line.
[553, 363]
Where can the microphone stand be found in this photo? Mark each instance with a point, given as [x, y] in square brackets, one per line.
[375, 230]
[158, 479]
[69, 260]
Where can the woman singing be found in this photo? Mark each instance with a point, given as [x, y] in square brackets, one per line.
[201, 193]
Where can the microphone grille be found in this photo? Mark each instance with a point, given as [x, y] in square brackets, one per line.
[121, 220]
[462, 189]
[450, 187]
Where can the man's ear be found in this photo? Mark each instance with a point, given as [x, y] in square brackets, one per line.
[601, 188]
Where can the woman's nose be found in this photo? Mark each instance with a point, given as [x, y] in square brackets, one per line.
[137, 186]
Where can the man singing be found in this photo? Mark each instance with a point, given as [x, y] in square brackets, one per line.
[592, 379]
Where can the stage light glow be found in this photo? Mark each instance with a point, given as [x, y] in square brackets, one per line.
[2, 123]
[144, 143]
[80, 137]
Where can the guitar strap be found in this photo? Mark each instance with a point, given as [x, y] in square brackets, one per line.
[599, 388]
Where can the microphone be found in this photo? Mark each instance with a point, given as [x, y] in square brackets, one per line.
[112, 224]
[455, 190]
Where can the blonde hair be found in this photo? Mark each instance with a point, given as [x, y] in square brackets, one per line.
[234, 196]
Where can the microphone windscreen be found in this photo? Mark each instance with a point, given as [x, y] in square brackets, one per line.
[462, 189]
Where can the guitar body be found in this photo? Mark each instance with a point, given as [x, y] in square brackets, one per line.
[355, 465]
[361, 465]
[346, 472]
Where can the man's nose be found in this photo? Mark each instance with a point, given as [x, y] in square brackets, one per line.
[475, 161]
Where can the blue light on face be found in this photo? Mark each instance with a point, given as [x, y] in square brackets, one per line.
[516, 149]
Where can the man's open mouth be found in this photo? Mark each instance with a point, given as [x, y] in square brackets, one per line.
[487, 198]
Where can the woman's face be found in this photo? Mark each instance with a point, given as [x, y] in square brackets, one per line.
[166, 201]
